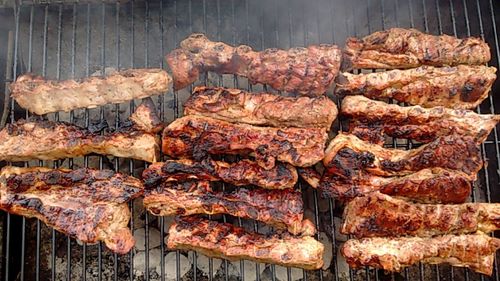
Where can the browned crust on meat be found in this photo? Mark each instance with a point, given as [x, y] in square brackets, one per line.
[89, 205]
[197, 137]
[48, 140]
[433, 185]
[475, 251]
[263, 109]
[41, 96]
[377, 214]
[226, 241]
[145, 117]
[280, 208]
[407, 48]
[374, 118]
[347, 155]
[243, 172]
[309, 71]
[460, 87]
[310, 175]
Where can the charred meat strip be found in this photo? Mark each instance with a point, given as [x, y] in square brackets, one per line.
[309, 71]
[197, 137]
[223, 240]
[435, 185]
[280, 208]
[372, 118]
[89, 205]
[378, 214]
[347, 155]
[243, 172]
[475, 251]
[264, 109]
[48, 140]
[407, 48]
[460, 87]
[40, 96]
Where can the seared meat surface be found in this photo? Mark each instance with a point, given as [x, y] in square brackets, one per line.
[460, 87]
[434, 185]
[374, 118]
[243, 172]
[264, 109]
[407, 48]
[223, 240]
[308, 71]
[280, 208]
[197, 137]
[475, 251]
[378, 214]
[48, 140]
[89, 205]
[145, 117]
[40, 96]
[347, 156]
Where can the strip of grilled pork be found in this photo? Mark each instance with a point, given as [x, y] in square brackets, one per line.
[226, 241]
[308, 71]
[243, 172]
[89, 205]
[374, 118]
[197, 137]
[347, 155]
[475, 251]
[264, 109]
[40, 96]
[280, 208]
[407, 48]
[459, 87]
[432, 185]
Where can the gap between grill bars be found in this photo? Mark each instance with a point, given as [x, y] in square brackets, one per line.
[72, 39]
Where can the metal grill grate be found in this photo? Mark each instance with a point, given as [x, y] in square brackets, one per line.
[68, 39]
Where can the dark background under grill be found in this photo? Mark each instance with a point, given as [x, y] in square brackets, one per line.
[72, 39]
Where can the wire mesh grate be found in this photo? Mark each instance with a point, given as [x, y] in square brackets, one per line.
[72, 39]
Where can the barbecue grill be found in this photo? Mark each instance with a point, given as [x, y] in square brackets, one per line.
[66, 39]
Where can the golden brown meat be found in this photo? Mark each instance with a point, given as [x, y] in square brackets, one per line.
[280, 208]
[264, 109]
[243, 172]
[197, 137]
[89, 205]
[377, 214]
[40, 96]
[47, 140]
[373, 118]
[347, 155]
[434, 185]
[475, 251]
[226, 241]
[309, 71]
[145, 117]
[460, 87]
[407, 48]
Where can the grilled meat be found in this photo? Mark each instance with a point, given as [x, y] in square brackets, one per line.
[279, 208]
[243, 172]
[378, 214]
[145, 117]
[435, 185]
[40, 96]
[89, 205]
[373, 118]
[226, 241]
[263, 109]
[196, 137]
[475, 251]
[47, 140]
[308, 71]
[310, 176]
[407, 48]
[347, 155]
[460, 87]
